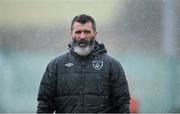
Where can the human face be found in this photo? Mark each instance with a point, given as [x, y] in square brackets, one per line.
[83, 32]
[83, 37]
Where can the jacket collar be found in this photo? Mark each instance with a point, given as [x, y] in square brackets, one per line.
[99, 48]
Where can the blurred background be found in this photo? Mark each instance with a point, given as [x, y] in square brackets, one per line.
[142, 34]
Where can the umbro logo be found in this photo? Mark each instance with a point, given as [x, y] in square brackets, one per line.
[69, 64]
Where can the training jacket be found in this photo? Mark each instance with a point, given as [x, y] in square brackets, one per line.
[95, 83]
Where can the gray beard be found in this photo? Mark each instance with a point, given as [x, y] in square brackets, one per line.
[82, 51]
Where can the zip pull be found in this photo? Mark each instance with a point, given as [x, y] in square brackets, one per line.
[83, 63]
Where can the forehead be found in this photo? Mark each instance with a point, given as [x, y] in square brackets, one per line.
[80, 26]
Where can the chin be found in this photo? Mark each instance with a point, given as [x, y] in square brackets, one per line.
[82, 51]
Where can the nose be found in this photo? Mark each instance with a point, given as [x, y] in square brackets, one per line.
[82, 35]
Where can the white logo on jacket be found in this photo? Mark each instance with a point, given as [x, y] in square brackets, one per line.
[69, 64]
[97, 64]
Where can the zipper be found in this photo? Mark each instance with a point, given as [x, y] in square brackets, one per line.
[83, 70]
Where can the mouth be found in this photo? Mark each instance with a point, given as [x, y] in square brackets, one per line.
[82, 45]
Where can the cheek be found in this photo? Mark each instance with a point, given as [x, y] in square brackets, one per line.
[92, 37]
[74, 36]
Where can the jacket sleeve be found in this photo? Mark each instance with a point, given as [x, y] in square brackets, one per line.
[119, 91]
[47, 90]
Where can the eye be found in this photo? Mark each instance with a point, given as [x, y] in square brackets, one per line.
[77, 32]
[87, 31]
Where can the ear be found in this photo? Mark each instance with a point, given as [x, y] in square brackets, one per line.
[70, 33]
[96, 34]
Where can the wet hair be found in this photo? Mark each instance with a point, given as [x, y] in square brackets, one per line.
[83, 18]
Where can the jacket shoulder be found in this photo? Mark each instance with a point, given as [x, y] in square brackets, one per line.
[56, 62]
[59, 59]
[111, 59]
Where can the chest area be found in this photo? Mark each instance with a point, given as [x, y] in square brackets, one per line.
[89, 76]
[94, 65]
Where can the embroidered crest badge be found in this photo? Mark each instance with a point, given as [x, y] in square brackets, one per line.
[97, 64]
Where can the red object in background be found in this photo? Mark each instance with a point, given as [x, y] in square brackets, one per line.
[134, 105]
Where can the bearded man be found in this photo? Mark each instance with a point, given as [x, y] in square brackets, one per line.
[85, 79]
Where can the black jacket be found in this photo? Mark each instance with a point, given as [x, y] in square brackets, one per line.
[96, 83]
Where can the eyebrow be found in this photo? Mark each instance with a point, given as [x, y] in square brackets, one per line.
[82, 30]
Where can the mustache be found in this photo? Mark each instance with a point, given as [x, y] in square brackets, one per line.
[83, 42]
[86, 42]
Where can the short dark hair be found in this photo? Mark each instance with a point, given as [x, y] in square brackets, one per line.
[83, 18]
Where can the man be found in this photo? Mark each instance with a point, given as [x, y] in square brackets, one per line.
[85, 79]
